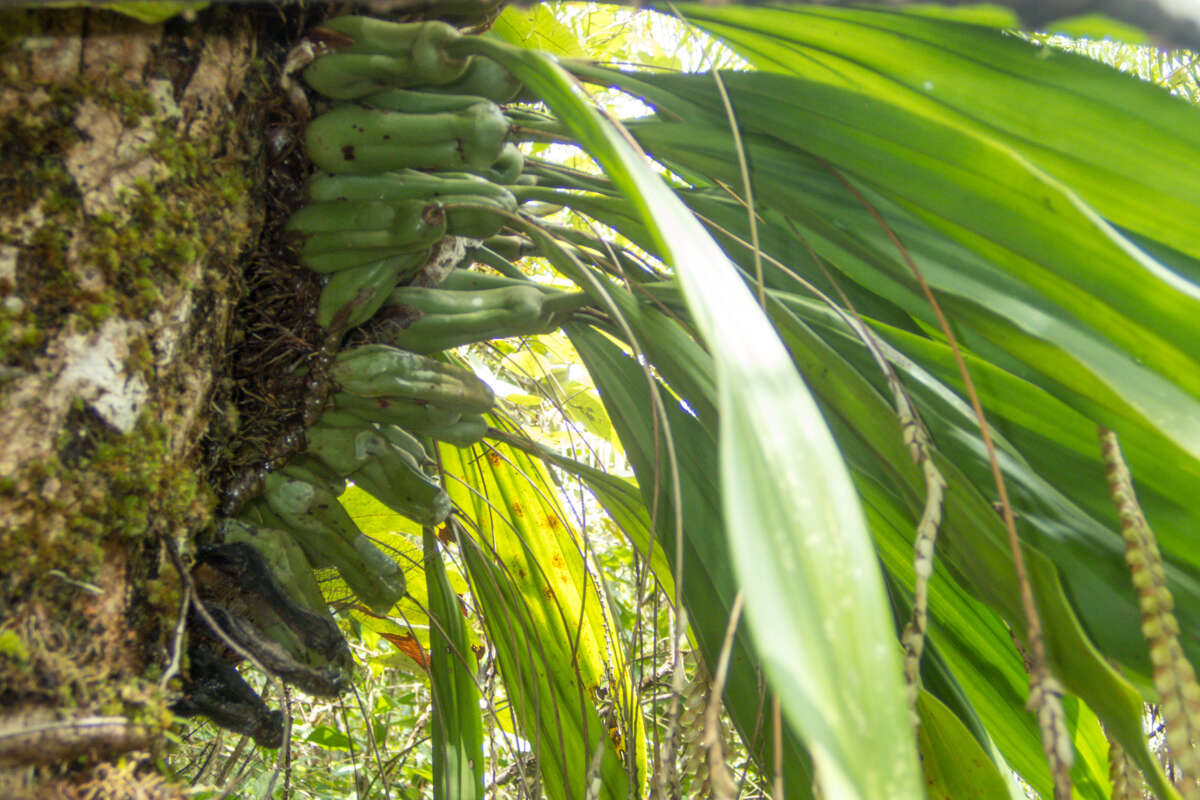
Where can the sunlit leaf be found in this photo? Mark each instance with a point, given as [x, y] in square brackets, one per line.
[537, 27]
[537, 596]
[329, 738]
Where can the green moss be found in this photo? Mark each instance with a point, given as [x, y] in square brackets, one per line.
[164, 233]
[141, 480]
[162, 593]
[20, 334]
[162, 230]
[98, 312]
[99, 487]
[13, 648]
[32, 147]
[32, 144]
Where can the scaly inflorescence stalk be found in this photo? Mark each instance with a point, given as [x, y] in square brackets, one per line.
[1174, 677]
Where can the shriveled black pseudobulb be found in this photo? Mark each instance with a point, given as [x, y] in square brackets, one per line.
[216, 690]
[244, 598]
[252, 609]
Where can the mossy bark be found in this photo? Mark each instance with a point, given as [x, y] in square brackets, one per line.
[128, 158]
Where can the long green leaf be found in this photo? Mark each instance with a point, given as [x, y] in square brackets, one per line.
[955, 766]
[1049, 275]
[708, 584]
[621, 500]
[1056, 109]
[543, 602]
[457, 727]
[814, 597]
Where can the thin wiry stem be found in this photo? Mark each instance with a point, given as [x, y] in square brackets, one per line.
[722, 783]
[387, 790]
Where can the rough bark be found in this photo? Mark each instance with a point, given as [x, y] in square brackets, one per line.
[127, 158]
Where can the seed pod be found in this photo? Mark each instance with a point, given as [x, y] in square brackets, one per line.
[353, 295]
[288, 563]
[319, 523]
[373, 54]
[395, 240]
[394, 477]
[485, 78]
[313, 471]
[408, 414]
[337, 418]
[376, 370]
[368, 140]
[470, 280]
[468, 431]
[476, 217]
[507, 167]
[348, 233]
[339, 260]
[407, 442]
[361, 215]
[341, 450]
[414, 102]
[407, 184]
[258, 513]
[451, 318]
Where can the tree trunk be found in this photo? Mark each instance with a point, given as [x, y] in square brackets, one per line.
[151, 319]
[130, 156]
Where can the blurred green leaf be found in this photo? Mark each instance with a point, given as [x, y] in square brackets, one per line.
[329, 738]
[537, 27]
[148, 11]
[457, 722]
[954, 765]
